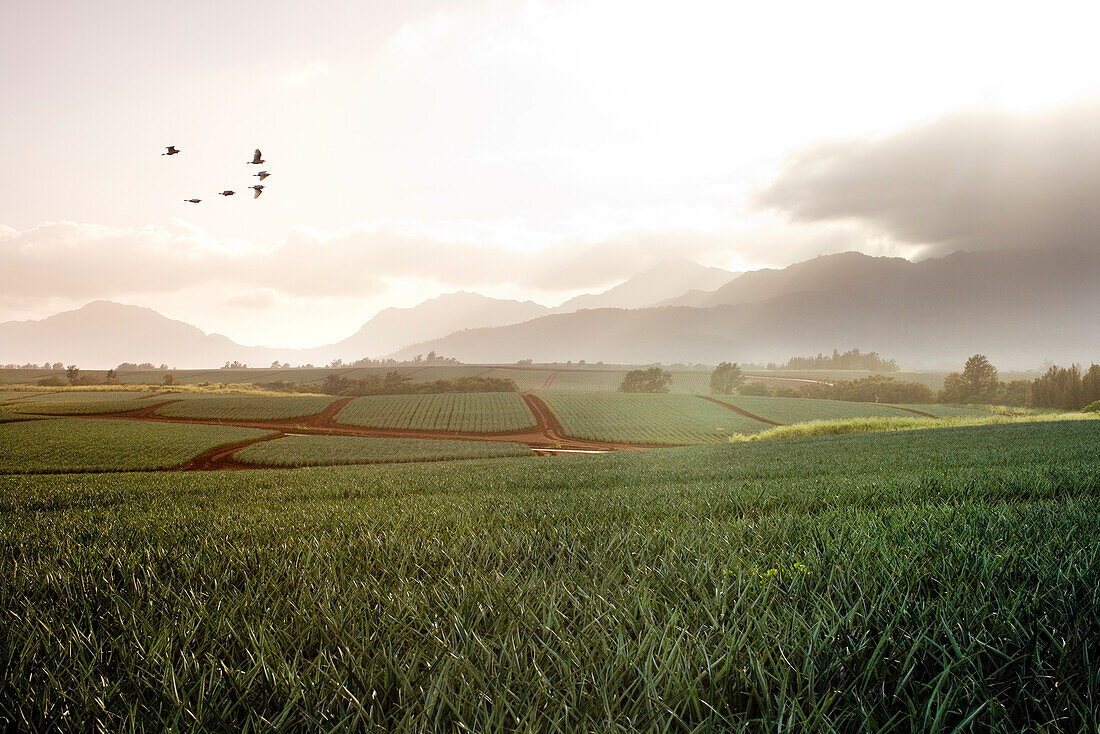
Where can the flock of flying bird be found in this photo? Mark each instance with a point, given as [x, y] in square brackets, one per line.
[257, 159]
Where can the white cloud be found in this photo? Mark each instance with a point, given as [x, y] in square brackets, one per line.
[306, 73]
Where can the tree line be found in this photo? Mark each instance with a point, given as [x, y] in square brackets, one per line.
[853, 359]
[1063, 388]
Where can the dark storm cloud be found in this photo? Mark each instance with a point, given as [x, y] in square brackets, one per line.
[982, 180]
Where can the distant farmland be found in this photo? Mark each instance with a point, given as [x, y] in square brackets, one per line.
[231, 407]
[471, 412]
[647, 419]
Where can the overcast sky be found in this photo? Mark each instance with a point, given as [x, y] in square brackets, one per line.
[521, 149]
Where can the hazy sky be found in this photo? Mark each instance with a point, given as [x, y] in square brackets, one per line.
[521, 149]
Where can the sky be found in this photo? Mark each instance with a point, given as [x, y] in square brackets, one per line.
[523, 149]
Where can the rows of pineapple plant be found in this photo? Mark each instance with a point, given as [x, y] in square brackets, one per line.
[937, 581]
[526, 379]
[646, 418]
[82, 444]
[800, 410]
[467, 412]
[591, 381]
[947, 411]
[335, 450]
[74, 402]
[246, 407]
[693, 383]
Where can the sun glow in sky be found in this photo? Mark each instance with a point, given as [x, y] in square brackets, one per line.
[519, 148]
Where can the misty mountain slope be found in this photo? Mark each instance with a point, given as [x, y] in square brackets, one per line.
[1020, 308]
[103, 334]
[845, 270]
[664, 280]
[394, 328]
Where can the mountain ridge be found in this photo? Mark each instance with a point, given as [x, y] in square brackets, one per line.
[1020, 308]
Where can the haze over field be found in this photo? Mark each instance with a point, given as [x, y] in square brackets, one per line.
[505, 161]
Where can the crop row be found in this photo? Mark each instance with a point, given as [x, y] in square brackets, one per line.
[646, 418]
[800, 410]
[82, 402]
[80, 444]
[243, 407]
[468, 412]
[329, 450]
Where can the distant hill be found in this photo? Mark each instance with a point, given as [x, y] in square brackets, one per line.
[102, 334]
[394, 328]
[664, 280]
[1019, 308]
[844, 271]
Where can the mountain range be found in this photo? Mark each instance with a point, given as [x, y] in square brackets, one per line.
[103, 334]
[1020, 308]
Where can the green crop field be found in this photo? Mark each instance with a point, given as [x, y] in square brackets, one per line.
[471, 412]
[642, 418]
[237, 407]
[82, 444]
[74, 402]
[694, 383]
[947, 411]
[800, 410]
[8, 396]
[609, 381]
[942, 580]
[594, 381]
[443, 372]
[329, 450]
[525, 379]
[6, 417]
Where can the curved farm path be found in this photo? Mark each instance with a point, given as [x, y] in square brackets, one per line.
[221, 457]
[550, 379]
[739, 411]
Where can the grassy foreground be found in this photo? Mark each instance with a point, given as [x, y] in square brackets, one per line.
[891, 581]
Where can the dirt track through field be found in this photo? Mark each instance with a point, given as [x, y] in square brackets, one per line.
[739, 411]
[221, 457]
[911, 410]
[546, 437]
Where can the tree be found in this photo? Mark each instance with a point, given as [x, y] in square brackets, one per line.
[726, 378]
[653, 379]
[72, 372]
[1090, 384]
[980, 376]
[111, 378]
[1060, 387]
[977, 383]
[169, 378]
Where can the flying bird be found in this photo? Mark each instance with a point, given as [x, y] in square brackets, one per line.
[261, 175]
[259, 190]
[192, 201]
[227, 192]
[256, 159]
[172, 150]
